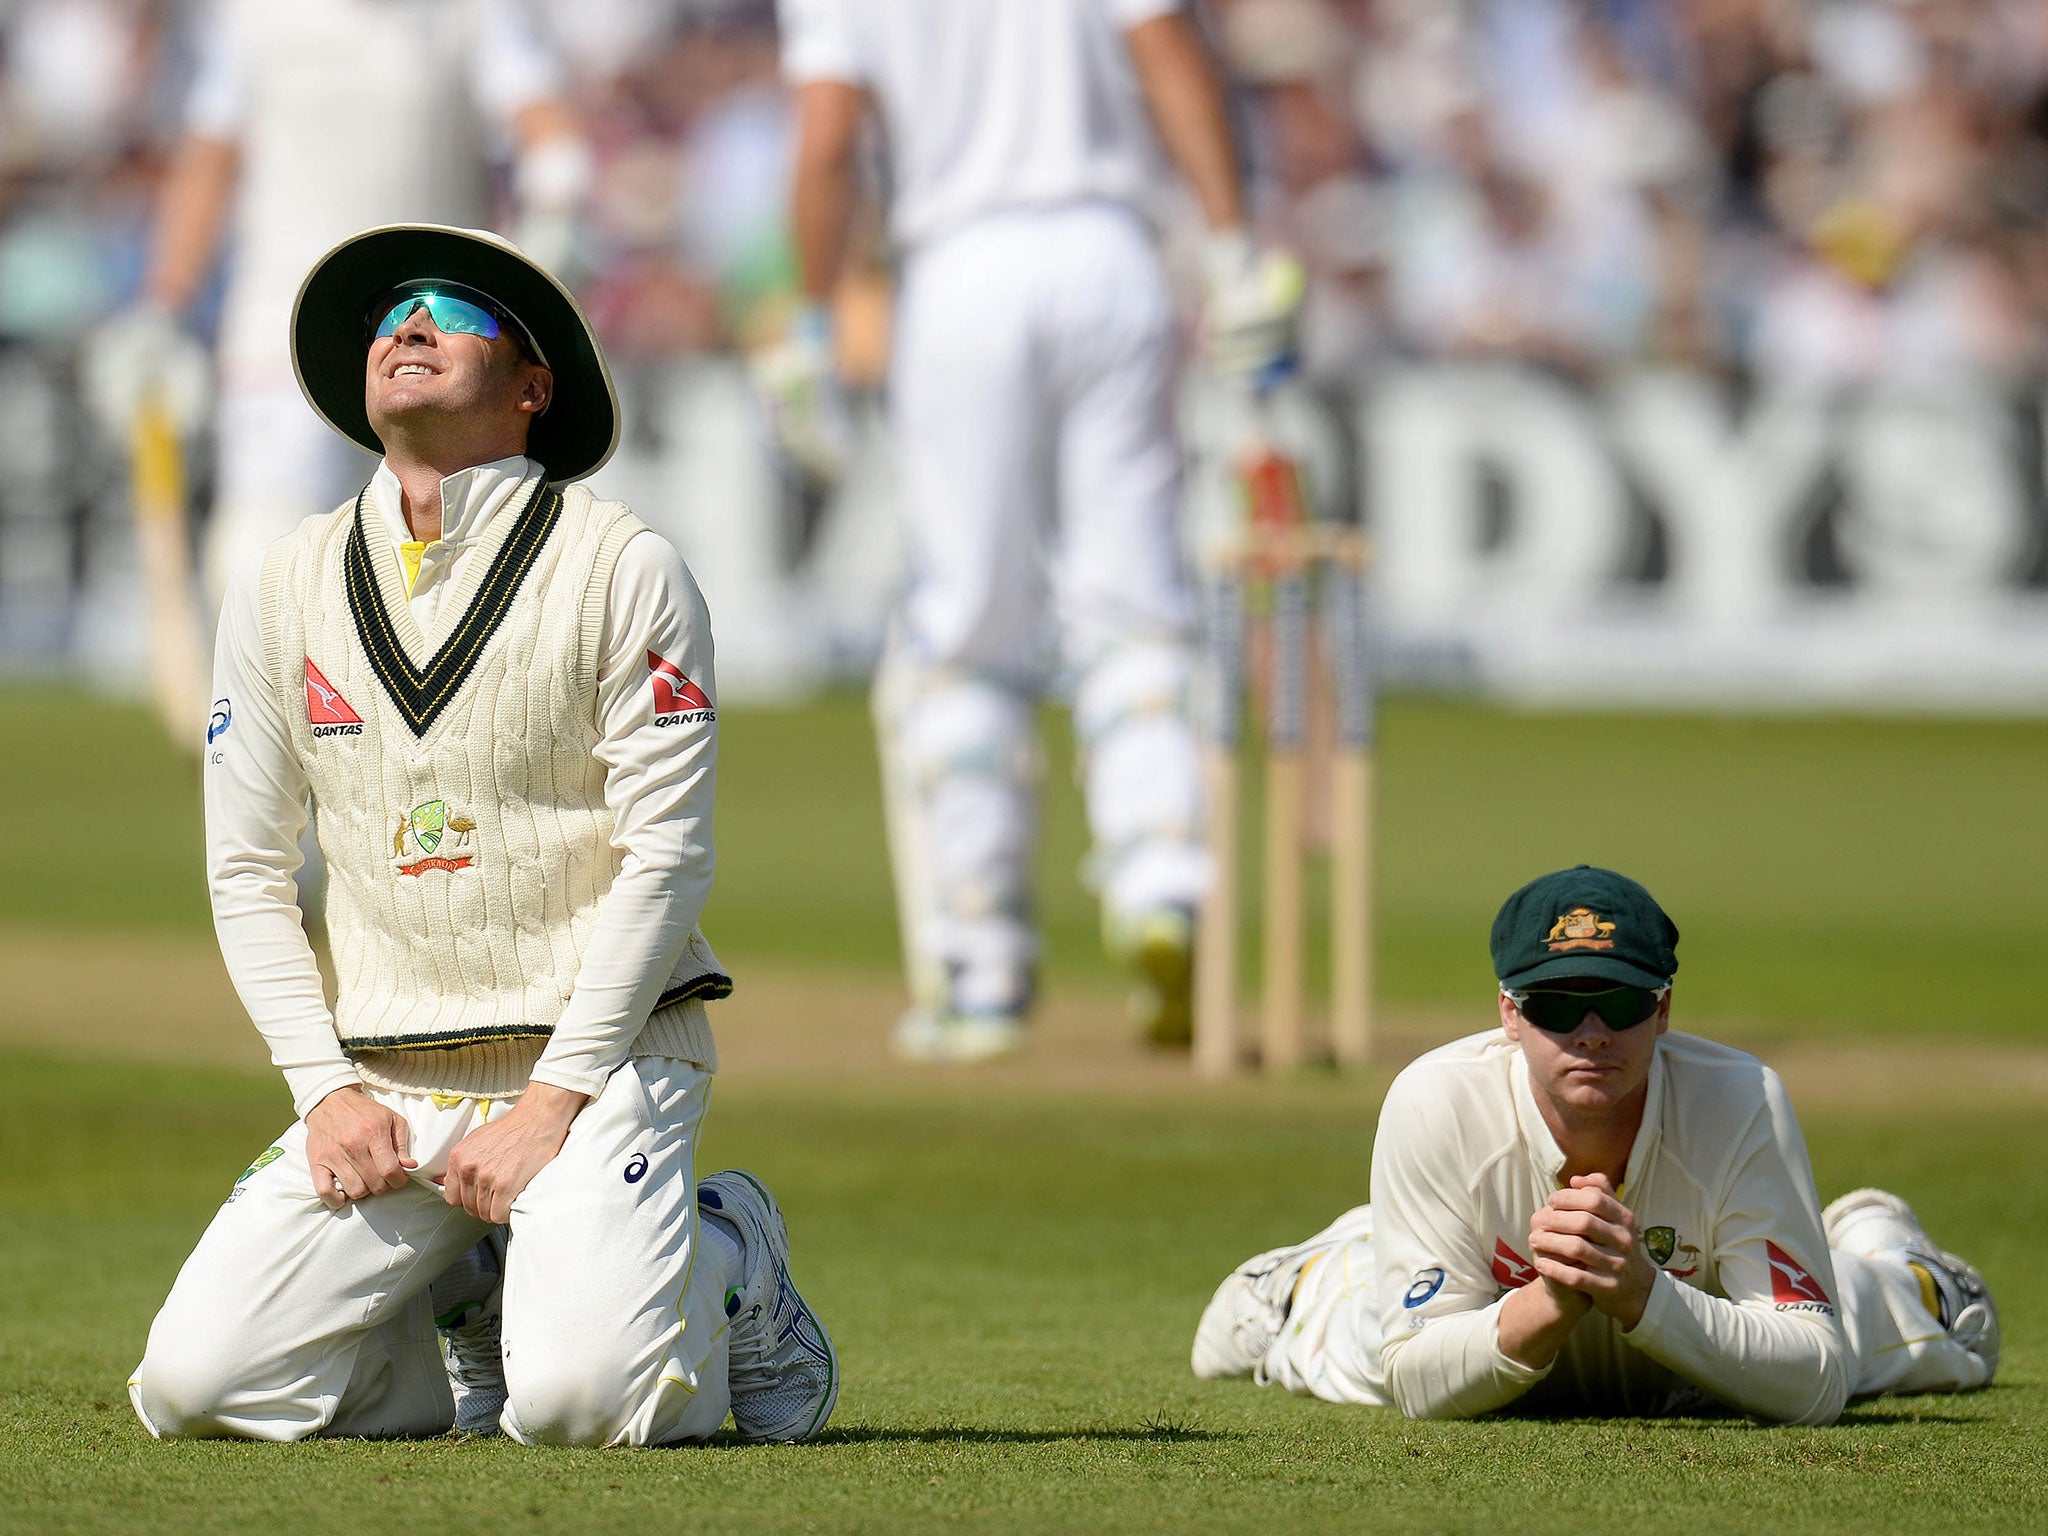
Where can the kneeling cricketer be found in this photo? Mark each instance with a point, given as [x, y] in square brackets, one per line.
[1581, 1211]
[495, 690]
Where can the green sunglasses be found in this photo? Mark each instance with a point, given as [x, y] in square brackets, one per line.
[456, 311]
[1559, 1013]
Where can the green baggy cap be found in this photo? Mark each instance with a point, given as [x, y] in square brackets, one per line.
[1585, 922]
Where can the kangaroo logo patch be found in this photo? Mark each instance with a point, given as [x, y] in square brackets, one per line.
[677, 700]
[326, 710]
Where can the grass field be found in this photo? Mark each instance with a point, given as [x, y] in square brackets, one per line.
[1012, 1260]
[1837, 876]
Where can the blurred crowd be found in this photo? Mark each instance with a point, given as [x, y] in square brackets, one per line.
[1816, 191]
[1809, 191]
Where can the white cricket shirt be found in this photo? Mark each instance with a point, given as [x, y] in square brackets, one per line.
[1744, 1307]
[988, 105]
[659, 784]
[348, 114]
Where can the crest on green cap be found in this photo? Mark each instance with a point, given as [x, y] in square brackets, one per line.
[1583, 922]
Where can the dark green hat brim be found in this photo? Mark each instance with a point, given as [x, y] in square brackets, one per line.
[1568, 967]
[331, 334]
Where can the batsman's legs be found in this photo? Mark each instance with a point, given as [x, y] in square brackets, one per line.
[973, 748]
[971, 429]
[1126, 609]
[291, 1320]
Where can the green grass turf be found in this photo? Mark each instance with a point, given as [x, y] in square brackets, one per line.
[1013, 1283]
[1830, 875]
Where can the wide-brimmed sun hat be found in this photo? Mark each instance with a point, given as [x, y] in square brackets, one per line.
[332, 322]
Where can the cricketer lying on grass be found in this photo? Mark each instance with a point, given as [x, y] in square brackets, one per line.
[497, 691]
[1579, 1210]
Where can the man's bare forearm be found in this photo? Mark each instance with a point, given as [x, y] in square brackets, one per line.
[1536, 1320]
[1184, 93]
[191, 212]
[829, 118]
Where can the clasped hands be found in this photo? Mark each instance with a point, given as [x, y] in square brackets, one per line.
[1584, 1245]
[358, 1148]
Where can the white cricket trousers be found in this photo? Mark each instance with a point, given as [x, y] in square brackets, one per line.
[1033, 397]
[291, 1320]
[1330, 1345]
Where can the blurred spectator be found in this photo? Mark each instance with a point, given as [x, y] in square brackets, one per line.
[688, 218]
[1826, 191]
[1822, 190]
[1814, 193]
[82, 94]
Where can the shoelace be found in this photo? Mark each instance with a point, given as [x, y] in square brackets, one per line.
[782, 1341]
[474, 1349]
[749, 1366]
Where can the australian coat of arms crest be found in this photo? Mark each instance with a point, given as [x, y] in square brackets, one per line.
[433, 836]
[1581, 928]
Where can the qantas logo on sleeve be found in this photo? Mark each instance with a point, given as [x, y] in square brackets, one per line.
[326, 708]
[677, 700]
[1509, 1267]
[1793, 1287]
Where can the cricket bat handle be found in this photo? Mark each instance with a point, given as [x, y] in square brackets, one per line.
[177, 654]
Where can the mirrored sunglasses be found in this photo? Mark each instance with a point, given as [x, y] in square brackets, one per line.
[1559, 1013]
[454, 314]
[451, 316]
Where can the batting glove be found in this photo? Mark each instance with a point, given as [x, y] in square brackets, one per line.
[551, 181]
[142, 356]
[806, 406]
[1254, 303]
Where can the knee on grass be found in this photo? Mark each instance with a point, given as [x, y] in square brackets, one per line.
[191, 1394]
[565, 1403]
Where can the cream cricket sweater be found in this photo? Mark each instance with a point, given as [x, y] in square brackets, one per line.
[514, 813]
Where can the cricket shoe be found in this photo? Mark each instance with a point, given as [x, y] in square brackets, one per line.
[1159, 948]
[1250, 1307]
[926, 1034]
[1874, 1223]
[783, 1370]
[467, 1298]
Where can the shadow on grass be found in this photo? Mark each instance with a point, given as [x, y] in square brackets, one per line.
[1883, 1414]
[1164, 1431]
[1852, 1418]
[1890, 1415]
[1159, 1432]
